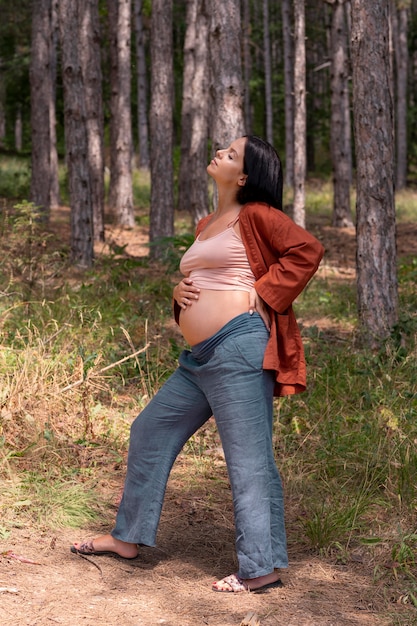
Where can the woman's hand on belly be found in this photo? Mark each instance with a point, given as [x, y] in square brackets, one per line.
[185, 293]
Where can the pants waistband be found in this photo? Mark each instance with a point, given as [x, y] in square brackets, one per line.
[239, 325]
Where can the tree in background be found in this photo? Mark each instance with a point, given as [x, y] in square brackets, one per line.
[142, 87]
[268, 73]
[42, 96]
[247, 64]
[192, 179]
[340, 133]
[317, 39]
[412, 88]
[54, 195]
[300, 164]
[226, 85]
[121, 141]
[161, 125]
[374, 140]
[288, 91]
[400, 10]
[90, 56]
[2, 106]
[76, 136]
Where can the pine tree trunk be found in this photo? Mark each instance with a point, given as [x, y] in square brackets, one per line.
[2, 107]
[91, 65]
[192, 181]
[121, 148]
[413, 80]
[300, 165]
[268, 73]
[41, 96]
[340, 134]
[317, 81]
[18, 128]
[401, 61]
[142, 88]
[76, 143]
[374, 141]
[289, 92]
[161, 125]
[247, 65]
[226, 78]
[54, 194]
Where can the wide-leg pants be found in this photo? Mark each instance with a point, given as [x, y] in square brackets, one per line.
[222, 376]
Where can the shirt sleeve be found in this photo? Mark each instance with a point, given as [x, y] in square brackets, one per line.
[285, 257]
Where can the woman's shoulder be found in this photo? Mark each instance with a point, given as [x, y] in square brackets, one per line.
[202, 223]
[260, 212]
[269, 222]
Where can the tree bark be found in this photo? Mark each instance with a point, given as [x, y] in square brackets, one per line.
[340, 133]
[121, 149]
[413, 83]
[226, 87]
[289, 92]
[18, 128]
[142, 88]
[2, 106]
[192, 182]
[76, 142]
[54, 194]
[300, 165]
[374, 141]
[41, 96]
[91, 66]
[161, 126]
[400, 37]
[247, 64]
[267, 73]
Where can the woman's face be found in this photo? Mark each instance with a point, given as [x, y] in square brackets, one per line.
[227, 166]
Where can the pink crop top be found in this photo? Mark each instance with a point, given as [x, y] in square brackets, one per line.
[219, 263]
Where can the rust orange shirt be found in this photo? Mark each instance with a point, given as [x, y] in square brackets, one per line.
[283, 258]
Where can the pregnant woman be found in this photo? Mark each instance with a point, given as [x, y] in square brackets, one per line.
[248, 263]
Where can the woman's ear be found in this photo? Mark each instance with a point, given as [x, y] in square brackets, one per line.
[242, 180]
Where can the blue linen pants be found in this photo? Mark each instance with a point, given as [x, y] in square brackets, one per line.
[222, 376]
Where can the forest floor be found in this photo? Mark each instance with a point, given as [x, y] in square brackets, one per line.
[171, 584]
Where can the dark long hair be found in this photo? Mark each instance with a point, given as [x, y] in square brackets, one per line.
[263, 168]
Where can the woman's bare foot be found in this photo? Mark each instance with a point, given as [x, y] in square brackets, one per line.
[104, 544]
[235, 584]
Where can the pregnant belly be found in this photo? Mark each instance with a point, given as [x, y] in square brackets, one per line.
[204, 317]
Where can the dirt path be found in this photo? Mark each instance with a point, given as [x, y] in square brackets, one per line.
[72, 591]
[171, 584]
[171, 588]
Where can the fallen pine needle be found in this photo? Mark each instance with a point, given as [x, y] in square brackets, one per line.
[9, 590]
[9, 554]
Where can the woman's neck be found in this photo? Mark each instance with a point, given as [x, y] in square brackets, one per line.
[227, 203]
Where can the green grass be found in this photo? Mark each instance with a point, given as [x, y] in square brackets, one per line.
[319, 201]
[14, 177]
[141, 192]
[406, 205]
[47, 501]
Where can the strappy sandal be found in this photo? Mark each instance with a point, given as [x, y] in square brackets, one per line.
[87, 549]
[236, 585]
